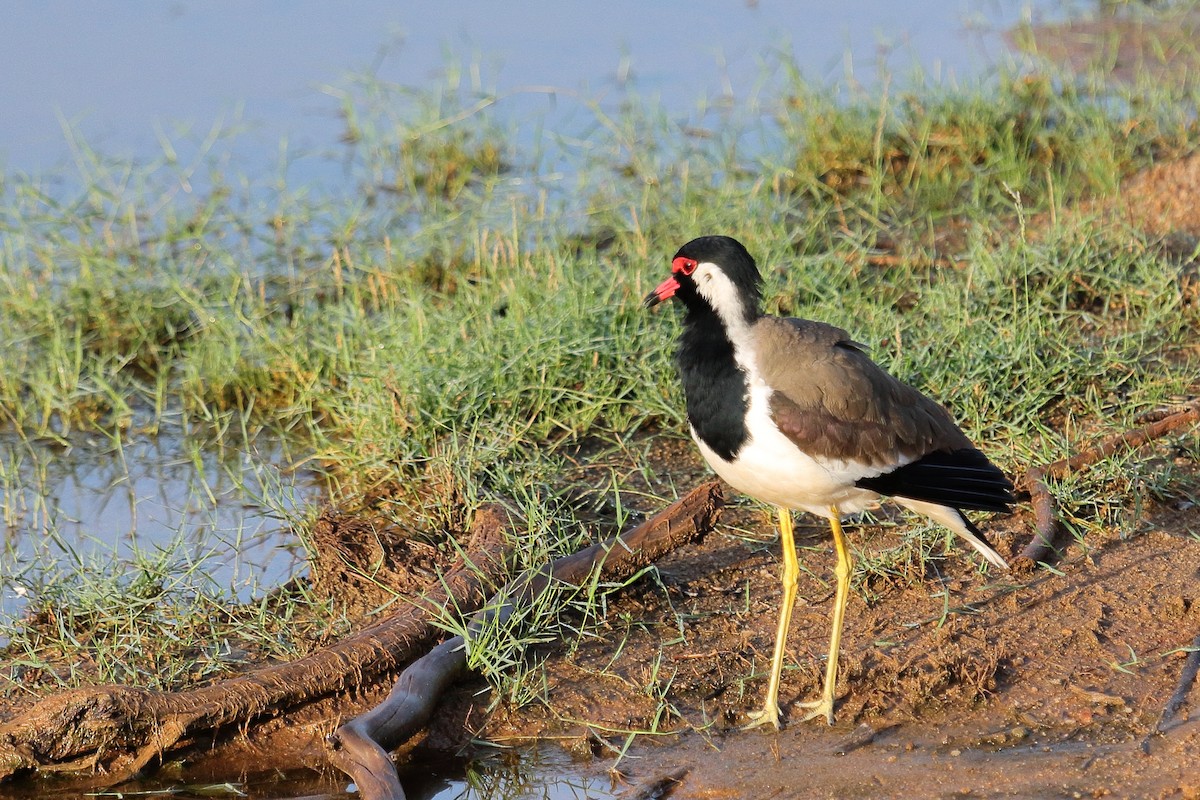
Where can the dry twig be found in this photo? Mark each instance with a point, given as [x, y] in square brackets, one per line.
[1187, 679]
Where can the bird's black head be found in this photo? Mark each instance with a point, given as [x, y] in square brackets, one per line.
[713, 274]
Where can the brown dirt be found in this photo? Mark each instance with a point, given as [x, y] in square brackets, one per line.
[1162, 201]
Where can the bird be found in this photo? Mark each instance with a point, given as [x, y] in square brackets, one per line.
[793, 412]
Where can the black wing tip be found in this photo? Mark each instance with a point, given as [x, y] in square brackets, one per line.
[962, 479]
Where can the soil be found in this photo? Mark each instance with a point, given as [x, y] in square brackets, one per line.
[1128, 47]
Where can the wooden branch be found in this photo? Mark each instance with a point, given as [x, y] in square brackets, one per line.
[1047, 528]
[1045, 519]
[360, 747]
[115, 731]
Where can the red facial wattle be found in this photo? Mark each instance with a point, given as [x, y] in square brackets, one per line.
[667, 289]
[684, 265]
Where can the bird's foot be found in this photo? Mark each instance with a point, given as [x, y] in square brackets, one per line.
[820, 708]
[760, 719]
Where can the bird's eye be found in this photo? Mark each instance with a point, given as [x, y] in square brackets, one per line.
[685, 265]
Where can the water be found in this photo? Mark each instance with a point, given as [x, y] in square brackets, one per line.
[222, 517]
[135, 78]
[542, 773]
[546, 773]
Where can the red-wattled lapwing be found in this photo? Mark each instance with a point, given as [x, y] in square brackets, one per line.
[794, 413]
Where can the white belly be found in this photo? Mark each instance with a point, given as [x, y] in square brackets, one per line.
[769, 467]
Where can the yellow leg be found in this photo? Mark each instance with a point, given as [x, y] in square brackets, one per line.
[824, 706]
[791, 573]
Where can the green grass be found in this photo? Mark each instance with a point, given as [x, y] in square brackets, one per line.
[445, 334]
[153, 619]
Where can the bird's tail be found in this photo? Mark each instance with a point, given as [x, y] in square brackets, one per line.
[956, 521]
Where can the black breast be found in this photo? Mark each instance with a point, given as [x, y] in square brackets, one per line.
[715, 387]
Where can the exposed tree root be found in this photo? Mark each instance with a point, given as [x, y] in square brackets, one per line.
[1047, 528]
[360, 747]
[105, 735]
[1187, 679]
[115, 731]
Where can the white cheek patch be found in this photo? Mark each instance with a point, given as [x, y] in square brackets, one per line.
[714, 286]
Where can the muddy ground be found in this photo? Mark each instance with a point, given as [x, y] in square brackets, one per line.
[955, 683]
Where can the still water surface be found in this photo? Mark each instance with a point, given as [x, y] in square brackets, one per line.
[214, 518]
[129, 76]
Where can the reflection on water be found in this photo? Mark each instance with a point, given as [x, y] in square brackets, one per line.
[544, 772]
[531, 773]
[222, 515]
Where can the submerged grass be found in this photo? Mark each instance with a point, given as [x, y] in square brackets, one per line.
[462, 321]
[152, 619]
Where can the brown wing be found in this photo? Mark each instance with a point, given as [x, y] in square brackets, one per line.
[833, 401]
